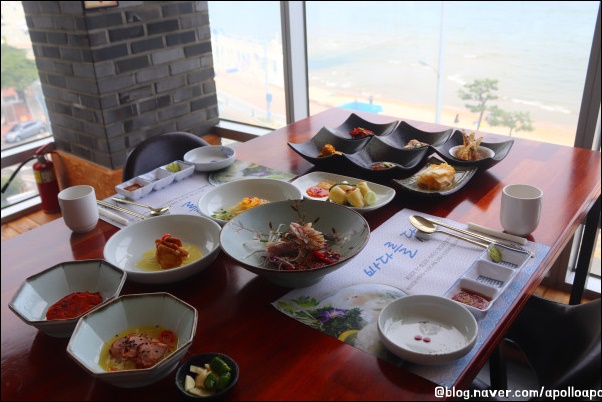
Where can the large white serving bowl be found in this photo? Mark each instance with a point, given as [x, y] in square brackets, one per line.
[227, 195]
[125, 248]
[132, 311]
[42, 290]
[426, 329]
[239, 237]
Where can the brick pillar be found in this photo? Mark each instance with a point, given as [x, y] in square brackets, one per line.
[113, 77]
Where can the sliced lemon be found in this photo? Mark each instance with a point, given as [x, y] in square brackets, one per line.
[349, 336]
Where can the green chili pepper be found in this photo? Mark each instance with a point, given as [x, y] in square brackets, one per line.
[494, 254]
[219, 366]
[224, 381]
[210, 382]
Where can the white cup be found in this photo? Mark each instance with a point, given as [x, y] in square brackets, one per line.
[521, 208]
[79, 209]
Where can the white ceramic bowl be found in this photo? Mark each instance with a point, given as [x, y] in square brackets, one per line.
[227, 195]
[130, 312]
[239, 237]
[126, 247]
[210, 158]
[484, 152]
[186, 169]
[426, 329]
[40, 291]
[145, 188]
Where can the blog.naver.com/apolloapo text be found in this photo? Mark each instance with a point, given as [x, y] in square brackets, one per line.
[570, 393]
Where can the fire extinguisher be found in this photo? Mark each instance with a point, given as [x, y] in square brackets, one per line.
[48, 185]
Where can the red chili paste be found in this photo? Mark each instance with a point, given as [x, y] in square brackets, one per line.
[472, 299]
[317, 192]
[73, 305]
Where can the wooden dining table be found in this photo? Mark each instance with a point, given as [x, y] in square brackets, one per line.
[280, 358]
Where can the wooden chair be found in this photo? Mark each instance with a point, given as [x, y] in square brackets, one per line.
[158, 151]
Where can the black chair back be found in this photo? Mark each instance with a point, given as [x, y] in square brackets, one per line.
[158, 151]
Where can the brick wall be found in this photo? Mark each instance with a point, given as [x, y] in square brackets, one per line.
[113, 77]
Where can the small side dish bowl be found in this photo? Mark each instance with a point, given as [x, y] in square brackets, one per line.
[226, 196]
[160, 178]
[311, 149]
[135, 188]
[483, 152]
[40, 291]
[210, 158]
[354, 121]
[180, 169]
[404, 133]
[101, 327]
[243, 237]
[495, 152]
[201, 360]
[427, 329]
[125, 248]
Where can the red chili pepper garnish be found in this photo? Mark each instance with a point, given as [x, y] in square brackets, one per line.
[361, 132]
[165, 236]
[329, 258]
[167, 336]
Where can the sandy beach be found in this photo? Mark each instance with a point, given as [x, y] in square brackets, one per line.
[245, 90]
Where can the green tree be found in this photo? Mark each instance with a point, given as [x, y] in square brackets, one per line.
[18, 71]
[481, 92]
[518, 121]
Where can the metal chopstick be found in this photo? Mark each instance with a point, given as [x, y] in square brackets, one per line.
[486, 238]
[125, 210]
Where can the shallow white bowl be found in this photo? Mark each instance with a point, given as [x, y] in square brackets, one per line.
[426, 329]
[484, 152]
[210, 158]
[229, 194]
[125, 248]
[40, 291]
[130, 311]
[239, 237]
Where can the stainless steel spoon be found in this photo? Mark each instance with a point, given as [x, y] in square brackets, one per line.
[154, 211]
[426, 227]
[432, 224]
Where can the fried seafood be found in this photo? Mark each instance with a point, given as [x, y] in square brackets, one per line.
[412, 144]
[301, 247]
[328, 150]
[240, 207]
[436, 176]
[469, 151]
[169, 251]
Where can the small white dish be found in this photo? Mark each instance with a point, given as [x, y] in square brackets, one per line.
[160, 178]
[427, 329]
[484, 152]
[210, 158]
[228, 195]
[143, 188]
[186, 169]
[384, 194]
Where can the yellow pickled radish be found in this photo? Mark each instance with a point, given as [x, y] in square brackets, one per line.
[355, 198]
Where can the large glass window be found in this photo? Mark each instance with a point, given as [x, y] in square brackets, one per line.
[24, 115]
[427, 60]
[246, 40]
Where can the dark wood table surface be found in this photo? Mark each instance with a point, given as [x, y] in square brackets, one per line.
[280, 358]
